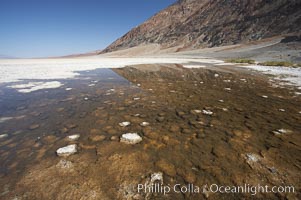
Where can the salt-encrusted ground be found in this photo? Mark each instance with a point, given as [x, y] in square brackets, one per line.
[20, 69]
[51, 69]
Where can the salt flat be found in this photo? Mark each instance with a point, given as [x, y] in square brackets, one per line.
[22, 69]
[14, 70]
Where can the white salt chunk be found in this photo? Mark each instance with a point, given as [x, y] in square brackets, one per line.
[73, 137]
[4, 119]
[131, 138]
[67, 150]
[252, 157]
[144, 124]
[158, 176]
[207, 112]
[124, 124]
[3, 136]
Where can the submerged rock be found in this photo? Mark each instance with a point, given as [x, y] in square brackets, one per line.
[131, 138]
[34, 126]
[160, 119]
[166, 167]
[64, 164]
[196, 111]
[67, 150]
[114, 138]
[97, 138]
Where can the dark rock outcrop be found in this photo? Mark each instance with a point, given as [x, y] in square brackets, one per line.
[207, 23]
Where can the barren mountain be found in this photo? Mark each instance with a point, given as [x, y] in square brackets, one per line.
[189, 24]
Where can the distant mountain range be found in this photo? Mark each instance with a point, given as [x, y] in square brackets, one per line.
[6, 57]
[190, 24]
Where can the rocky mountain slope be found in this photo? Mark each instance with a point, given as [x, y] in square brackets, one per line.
[189, 24]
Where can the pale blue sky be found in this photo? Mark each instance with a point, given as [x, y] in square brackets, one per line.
[37, 28]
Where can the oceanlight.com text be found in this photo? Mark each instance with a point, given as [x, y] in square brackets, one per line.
[213, 188]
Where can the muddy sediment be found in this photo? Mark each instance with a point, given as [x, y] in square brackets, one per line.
[198, 127]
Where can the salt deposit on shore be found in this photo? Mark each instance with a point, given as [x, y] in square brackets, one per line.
[291, 76]
[21, 69]
[34, 86]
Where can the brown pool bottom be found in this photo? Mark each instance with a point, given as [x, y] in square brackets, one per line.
[205, 127]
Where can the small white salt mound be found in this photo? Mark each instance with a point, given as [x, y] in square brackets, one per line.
[216, 75]
[281, 110]
[131, 138]
[282, 131]
[144, 124]
[138, 84]
[136, 98]
[4, 119]
[225, 63]
[252, 157]
[244, 80]
[3, 136]
[67, 150]
[91, 85]
[68, 89]
[222, 101]
[158, 176]
[73, 137]
[124, 124]
[228, 89]
[207, 112]
[264, 96]
[86, 98]
[225, 109]
[194, 66]
[227, 81]
[34, 86]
